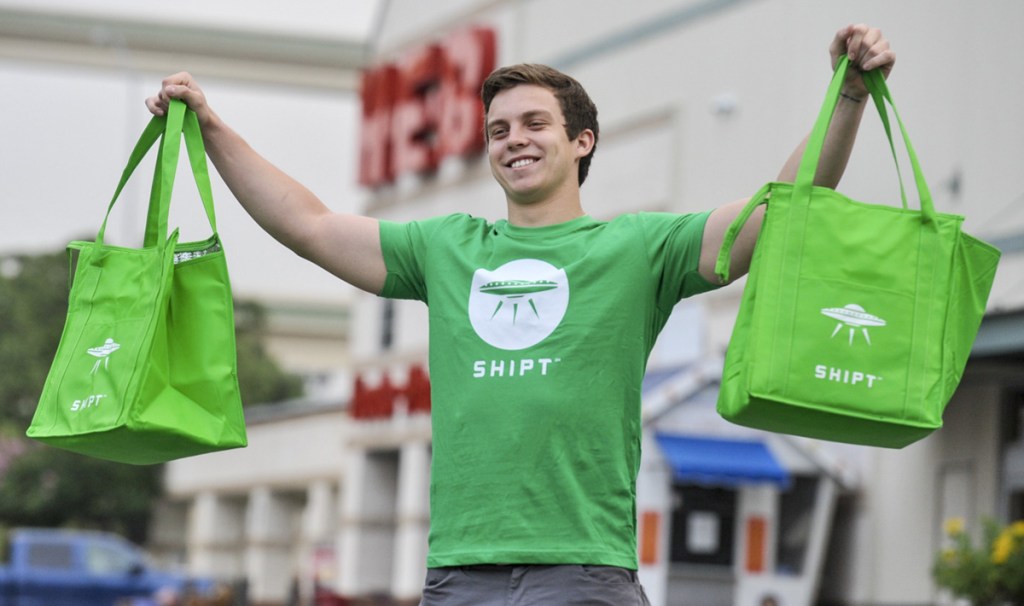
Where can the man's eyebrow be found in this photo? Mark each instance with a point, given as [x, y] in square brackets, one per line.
[536, 113]
[525, 116]
[497, 122]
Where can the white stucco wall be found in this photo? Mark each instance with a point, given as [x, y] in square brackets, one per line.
[290, 452]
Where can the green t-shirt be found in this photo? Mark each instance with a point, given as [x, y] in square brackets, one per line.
[539, 338]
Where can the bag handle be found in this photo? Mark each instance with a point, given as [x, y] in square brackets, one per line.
[880, 94]
[807, 170]
[816, 141]
[725, 252]
[156, 220]
[179, 120]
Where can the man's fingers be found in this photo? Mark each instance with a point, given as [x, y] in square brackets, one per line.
[874, 52]
[178, 79]
[154, 107]
[838, 46]
[884, 59]
[179, 86]
[866, 47]
[175, 91]
[855, 41]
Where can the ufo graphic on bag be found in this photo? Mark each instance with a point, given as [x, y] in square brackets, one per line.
[854, 317]
[103, 353]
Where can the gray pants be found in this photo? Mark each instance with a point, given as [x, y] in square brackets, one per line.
[532, 586]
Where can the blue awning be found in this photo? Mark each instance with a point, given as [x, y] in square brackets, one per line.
[721, 462]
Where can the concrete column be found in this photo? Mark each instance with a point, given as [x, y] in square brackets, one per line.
[273, 523]
[168, 533]
[757, 503]
[654, 523]
[757, 513]
[366, 534]
[901, 498]
[413, 520]
[215, 533]
[320, 516]
[318, 546]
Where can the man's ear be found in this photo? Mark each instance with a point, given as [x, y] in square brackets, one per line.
[584, 142]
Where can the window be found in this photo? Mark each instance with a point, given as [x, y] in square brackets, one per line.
[387, 325]
[1016, 509]
[796, 517]
[50, 555]
[1012, 423]
[1013, 420]
[110, 559]
[703, 525]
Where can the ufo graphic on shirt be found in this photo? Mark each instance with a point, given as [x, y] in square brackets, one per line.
[518, 304]
[853, 316]
[517, 288]
[509, 291]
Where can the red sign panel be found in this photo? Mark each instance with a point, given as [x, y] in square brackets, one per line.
[379, 402]
[424, 107]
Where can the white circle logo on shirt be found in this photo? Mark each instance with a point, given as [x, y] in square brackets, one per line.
[518, 304]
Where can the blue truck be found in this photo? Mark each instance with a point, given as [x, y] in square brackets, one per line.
[51, 567]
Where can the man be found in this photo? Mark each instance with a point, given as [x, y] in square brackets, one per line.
[540, 328]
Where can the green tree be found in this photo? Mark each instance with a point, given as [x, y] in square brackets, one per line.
[33, 304]
[260, 379]
[51, 487]
[44, 486]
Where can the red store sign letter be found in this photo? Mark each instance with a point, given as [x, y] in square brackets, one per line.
[425, 107]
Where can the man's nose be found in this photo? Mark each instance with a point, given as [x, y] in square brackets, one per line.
[516, 137]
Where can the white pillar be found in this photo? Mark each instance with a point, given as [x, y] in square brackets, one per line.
[319, 517]
[654, 520]
[319, 534]
[413, 520]
[215, 533]
[366, 533]
[270, 526]
[168, 533]
[902, 498]
[757, 521]
[348, 541]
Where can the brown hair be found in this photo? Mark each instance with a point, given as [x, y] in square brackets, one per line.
[579, 111]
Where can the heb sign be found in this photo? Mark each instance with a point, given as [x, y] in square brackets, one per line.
[424, 107]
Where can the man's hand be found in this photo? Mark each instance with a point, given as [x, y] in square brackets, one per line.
[181, 86]
[868, 49]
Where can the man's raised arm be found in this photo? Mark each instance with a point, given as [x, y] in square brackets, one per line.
[348, 246]
[868, 50]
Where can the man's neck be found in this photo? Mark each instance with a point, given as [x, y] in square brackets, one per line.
[545, 212]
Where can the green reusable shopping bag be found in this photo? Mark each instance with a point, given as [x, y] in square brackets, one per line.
[857, 319]
[146, 369]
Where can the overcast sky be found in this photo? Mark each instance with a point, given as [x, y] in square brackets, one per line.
[334, 18]
[73, 127]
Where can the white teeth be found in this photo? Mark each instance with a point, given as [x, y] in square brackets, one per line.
[523, 162]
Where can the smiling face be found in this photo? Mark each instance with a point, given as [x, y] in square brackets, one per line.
[530, 154]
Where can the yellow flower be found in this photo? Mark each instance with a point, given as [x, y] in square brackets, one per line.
[1017, 528]
[949, 555]
[954, 526]
[1002, 548]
